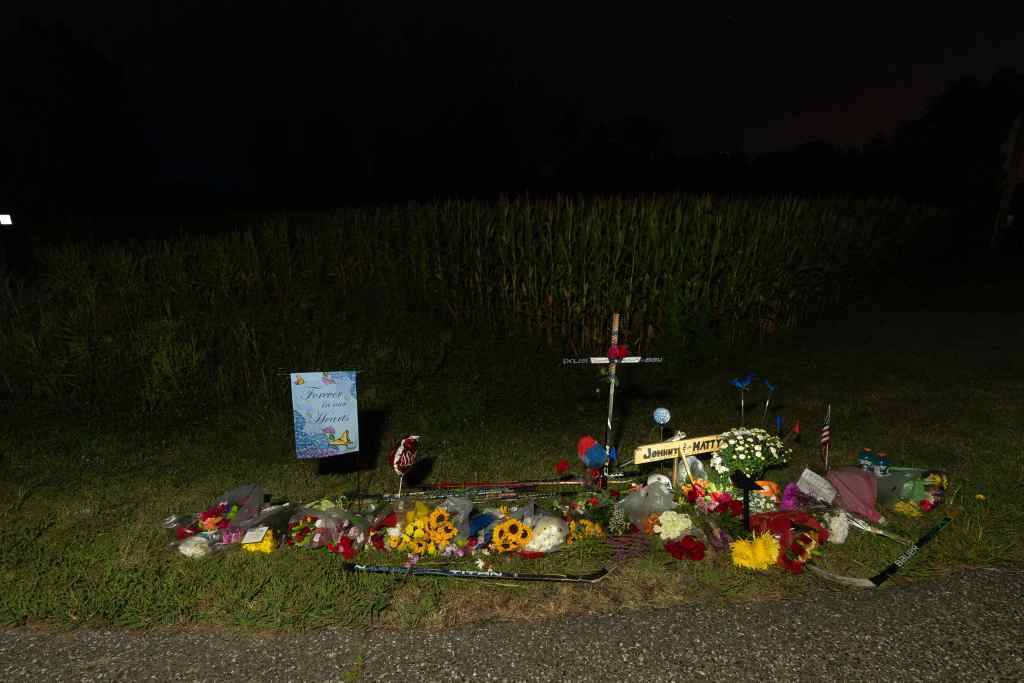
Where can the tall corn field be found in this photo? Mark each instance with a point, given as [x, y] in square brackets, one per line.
[160, 324]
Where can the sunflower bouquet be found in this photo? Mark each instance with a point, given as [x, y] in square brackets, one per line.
[425, 532]
[510, 535]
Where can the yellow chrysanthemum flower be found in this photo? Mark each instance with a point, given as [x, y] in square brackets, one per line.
[905, 507]
[417, 528]
[264, 546]
[419, 512]
[760, 553]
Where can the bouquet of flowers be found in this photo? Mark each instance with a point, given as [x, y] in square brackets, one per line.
[425, 532]
[747, 450]
[235, 509]
[707, 497]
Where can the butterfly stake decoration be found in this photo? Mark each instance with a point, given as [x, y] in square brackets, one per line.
[742, 385]
[771, 390]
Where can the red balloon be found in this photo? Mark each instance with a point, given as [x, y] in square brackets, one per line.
[403, 455]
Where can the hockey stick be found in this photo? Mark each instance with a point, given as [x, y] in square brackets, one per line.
[475, 574]
[443, 485]
[480, 495]
[884, 575]
[448, 485]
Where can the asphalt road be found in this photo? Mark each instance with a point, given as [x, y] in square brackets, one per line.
[963, 627]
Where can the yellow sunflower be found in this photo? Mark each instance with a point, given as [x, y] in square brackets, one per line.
[504, 546]
[511, 535]
[438, 517]
[444, 533]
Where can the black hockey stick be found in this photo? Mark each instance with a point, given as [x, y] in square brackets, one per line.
[884, 575]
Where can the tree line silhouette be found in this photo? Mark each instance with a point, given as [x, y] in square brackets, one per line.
[430, 112]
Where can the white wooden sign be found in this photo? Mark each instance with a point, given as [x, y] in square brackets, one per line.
[674, 450]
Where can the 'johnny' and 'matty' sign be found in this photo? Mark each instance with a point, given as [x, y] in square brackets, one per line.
[324, 413]
[670, 450]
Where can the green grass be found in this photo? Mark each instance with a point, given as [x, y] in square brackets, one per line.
[933, 377]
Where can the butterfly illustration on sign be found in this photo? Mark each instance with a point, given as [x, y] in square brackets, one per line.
[299, 381]
[342, 440]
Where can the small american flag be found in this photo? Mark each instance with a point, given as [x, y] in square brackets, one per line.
[826, 436]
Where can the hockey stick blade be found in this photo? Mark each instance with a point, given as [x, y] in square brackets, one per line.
[909, 553]
[884, 575]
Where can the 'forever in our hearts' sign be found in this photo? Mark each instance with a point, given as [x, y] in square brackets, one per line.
[324, 413]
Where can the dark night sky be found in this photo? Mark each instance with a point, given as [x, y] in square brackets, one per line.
[218, 87]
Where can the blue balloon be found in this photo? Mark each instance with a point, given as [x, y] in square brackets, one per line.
[662, 416]
[594, 456]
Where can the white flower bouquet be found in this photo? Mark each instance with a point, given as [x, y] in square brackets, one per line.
[747, 450]
[672, 525]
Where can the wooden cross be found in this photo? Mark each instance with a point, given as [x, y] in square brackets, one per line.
[616, 356]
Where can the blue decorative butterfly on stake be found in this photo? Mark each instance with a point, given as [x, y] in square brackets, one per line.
[771, 390]
[742, 385]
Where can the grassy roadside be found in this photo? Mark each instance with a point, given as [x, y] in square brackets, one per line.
[934, 376]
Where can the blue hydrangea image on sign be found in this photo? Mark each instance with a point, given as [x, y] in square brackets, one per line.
[324, 413]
